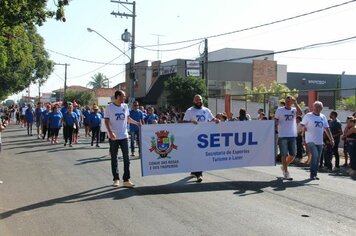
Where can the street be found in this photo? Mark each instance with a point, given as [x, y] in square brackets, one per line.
[56, 190]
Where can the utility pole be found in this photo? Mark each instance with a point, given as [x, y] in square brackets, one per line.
[39, 91]
[206, 66]
[132, 14]
[65, 78]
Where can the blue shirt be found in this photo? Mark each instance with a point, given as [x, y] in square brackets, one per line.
[70, 118]
[137, 116]
[38, 112]
[55, 119]
[79, 115]
[45, 116]
[86, 115]
[150, 117]
[29, 115]
[95, 119]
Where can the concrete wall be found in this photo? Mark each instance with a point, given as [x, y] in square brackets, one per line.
[228, 71]
[218, 105]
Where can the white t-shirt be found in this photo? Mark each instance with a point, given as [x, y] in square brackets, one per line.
[117, 116]
[287, 123]
[315, 126]
[23, 112]
[201, 115]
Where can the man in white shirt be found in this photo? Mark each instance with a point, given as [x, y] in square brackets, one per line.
[116, 117]
[198, 113]
[287, 132]
[314, 124]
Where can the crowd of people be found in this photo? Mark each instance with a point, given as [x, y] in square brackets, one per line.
[298, 132]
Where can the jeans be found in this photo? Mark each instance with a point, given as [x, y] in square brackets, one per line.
[335, 151]
[135, 135]
[351, 148]
[29, 128]
[328, 155]
[299, 147]
[315, 151]
[95, 132]
[102, 136]
[114, 148]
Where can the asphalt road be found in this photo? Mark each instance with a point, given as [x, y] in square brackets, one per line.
[55, 190]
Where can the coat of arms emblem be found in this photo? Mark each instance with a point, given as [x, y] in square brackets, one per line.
[162, 144]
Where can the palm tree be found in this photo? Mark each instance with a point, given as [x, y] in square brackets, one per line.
[99, 80]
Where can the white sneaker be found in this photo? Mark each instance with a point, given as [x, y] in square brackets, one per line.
[128, 184]
[287, 176]
[116, 183]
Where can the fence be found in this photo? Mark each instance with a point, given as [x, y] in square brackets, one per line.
[342, 100]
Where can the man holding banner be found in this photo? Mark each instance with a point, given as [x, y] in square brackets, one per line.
[116, 118]
[287, 132]
[198, 113]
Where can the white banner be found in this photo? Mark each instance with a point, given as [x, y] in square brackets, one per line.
[175, 148]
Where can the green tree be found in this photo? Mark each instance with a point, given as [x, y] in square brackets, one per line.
[99, 80]
[29, 12]
[23, 59]
[181, 90]
[261, 93]
[83, 98]
[348, 103]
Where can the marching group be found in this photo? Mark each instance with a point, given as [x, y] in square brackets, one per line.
[320, 135]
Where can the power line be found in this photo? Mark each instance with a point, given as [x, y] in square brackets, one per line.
[315, 45]
[255, 27]
[78, 76]
[168, 50]
[116, 74]
[84, 60]
[319, 58]
[58, 76]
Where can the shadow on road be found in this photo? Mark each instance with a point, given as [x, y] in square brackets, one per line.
[92, 160]
[241, 188]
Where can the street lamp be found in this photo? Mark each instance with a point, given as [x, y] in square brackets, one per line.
[91, 30]
[132, 62]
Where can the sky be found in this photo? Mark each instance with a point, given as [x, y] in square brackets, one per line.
[168, 21]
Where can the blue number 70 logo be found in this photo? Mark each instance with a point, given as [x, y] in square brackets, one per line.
[120, 116]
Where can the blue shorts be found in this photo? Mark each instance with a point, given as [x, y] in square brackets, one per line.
[287, 145]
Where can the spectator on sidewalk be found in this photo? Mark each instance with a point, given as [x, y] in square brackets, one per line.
[351, 144]
[151, 117]
[336, 131]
